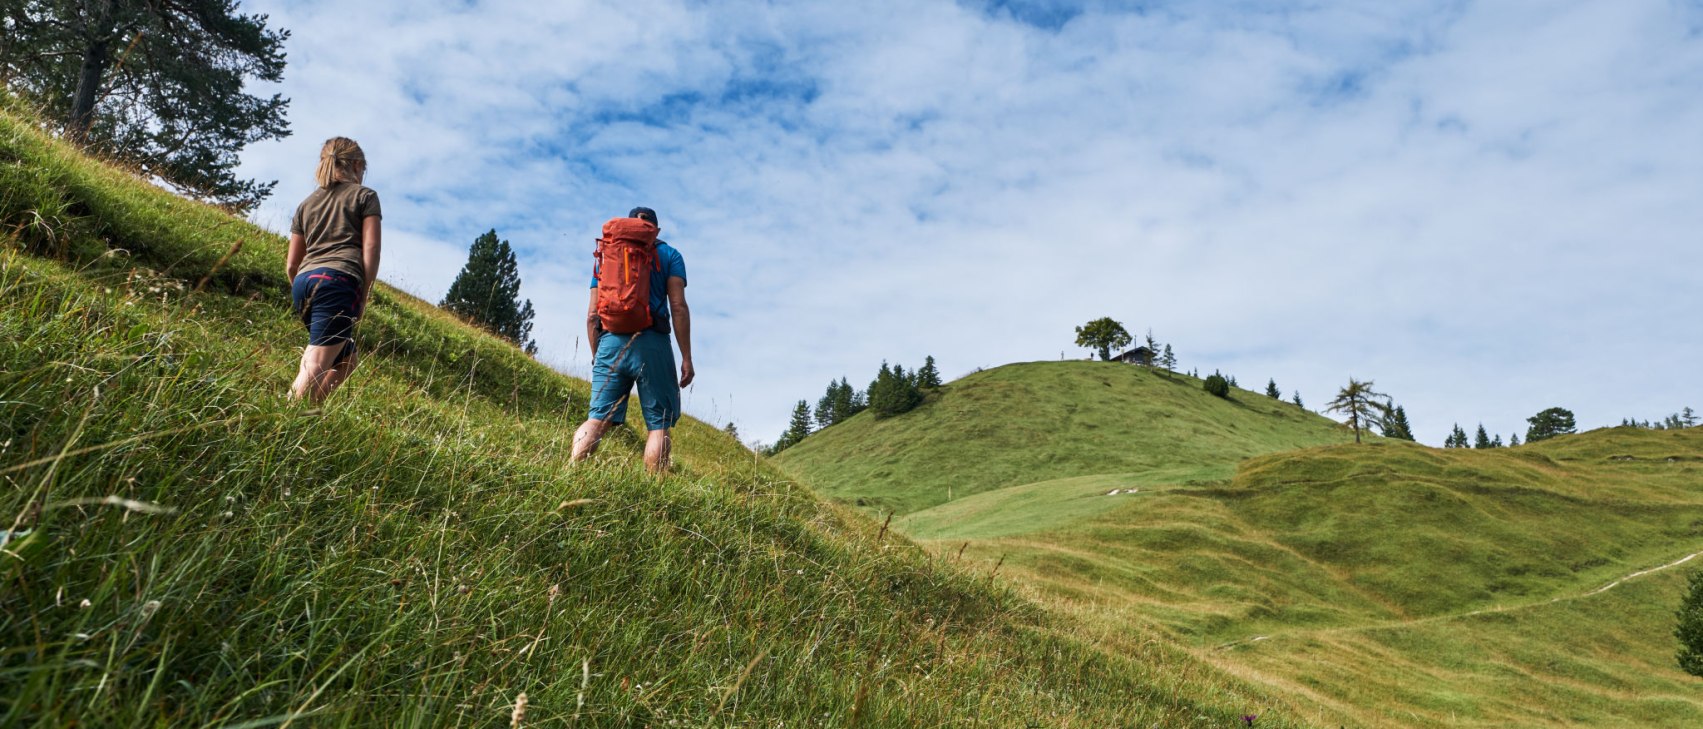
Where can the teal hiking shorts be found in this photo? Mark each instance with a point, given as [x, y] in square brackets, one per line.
[645, 359]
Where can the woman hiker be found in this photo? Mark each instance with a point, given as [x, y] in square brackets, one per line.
[333, 261]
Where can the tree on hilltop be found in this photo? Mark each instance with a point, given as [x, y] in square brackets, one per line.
[1482, 439]
[1217, 385]
[1168, 360]
[1103, 335]
[1550, 423]
[1457, 438]
[160, 84]
[731, 429]
[1396, 426]
[1688, 417]
[1363, 406]
[1271, 390]
[487, 292]
[1513, 439]
[1297, 400]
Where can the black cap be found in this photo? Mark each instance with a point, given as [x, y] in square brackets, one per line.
[645, 213]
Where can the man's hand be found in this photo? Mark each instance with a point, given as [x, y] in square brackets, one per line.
[686, 372]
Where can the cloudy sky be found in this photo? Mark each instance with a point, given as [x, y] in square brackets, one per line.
[1488, 208]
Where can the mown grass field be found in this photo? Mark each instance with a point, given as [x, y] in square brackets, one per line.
[1375, 585]
[185, 547]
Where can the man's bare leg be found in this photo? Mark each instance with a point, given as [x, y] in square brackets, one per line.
[588, 437]
[658, 446]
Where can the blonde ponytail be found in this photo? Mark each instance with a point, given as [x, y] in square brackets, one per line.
[340, 160]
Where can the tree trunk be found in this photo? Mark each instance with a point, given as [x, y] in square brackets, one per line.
[95, 59]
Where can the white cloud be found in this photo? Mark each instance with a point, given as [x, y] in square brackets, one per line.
[1488, 208]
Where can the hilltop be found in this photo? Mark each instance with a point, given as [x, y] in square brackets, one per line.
[1376, 584]
[1040, 421]
[185, 547]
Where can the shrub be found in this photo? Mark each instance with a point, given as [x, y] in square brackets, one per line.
[1690, 628]
[1217, 385]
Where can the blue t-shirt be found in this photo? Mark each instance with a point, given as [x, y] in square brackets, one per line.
[672, 265]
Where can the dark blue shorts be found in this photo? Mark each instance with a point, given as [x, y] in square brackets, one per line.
[645, 359]
[327, 301]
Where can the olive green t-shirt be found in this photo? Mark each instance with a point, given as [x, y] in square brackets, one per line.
[330, 220]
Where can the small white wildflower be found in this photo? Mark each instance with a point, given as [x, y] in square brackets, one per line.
[229, 514]
[81, 636]
[85, 604]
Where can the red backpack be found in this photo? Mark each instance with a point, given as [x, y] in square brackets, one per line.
[626, 256]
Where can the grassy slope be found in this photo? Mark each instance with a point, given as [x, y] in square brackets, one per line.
[1376, 584]
[1393, 582]
[200, 551]
[1040, 421]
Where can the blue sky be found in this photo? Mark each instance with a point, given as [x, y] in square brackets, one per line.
[1487, 208]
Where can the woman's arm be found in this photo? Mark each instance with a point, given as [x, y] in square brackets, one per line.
[293, 257]
[371, 246]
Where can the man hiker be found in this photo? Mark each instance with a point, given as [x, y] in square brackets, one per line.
[638, 289]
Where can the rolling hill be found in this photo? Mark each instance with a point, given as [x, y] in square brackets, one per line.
[1378, 584]
[185, 547]
[1039, 421]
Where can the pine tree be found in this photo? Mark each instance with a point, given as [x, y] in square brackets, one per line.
[1482, 439]
[1550, 423]
[1271, 390]
[1496, 442]
[797, 430]
[1168, 360]
[1297, 400]
[1152, 348]
[1513, 440]
[1688, 417]
[1456, 439]
[1396, 426]
[161, 84]
[731, 429]
[929, 376]
[487, 292]
[1232, 380]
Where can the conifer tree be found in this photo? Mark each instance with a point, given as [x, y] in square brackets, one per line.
[1152, 349]
[1271, 390]
[1297, 400]
[487, 292]
[929, 376]
[161, 84]
[1168, 360]
[731, 430]
[1496, 442]
[1513, 440]
[1688, 417]
[797, 430]
[1397, 426]
[1364, 407]
[1550, 423]
[1481, 439]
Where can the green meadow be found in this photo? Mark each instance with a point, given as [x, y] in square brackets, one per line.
[1383, 584]
[186, 547]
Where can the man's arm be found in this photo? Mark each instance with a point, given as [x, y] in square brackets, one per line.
[293, 257]
[371, 247]
[682, 326]
[593, 326]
